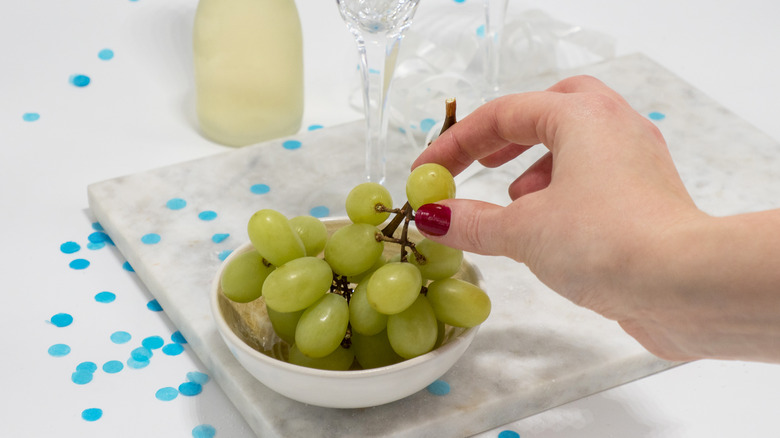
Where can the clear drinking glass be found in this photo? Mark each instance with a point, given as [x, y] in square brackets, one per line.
[495, 14]
[378, 27]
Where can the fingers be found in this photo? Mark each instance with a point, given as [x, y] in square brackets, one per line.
[504, 155]
[490, 128]
[473, 226]
[536, 177]
[583, 84]
[501, 129]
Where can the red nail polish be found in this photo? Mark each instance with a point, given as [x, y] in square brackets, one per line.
[433, 219]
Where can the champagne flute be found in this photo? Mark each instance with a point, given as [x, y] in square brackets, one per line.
[378, 27]
[495, 14]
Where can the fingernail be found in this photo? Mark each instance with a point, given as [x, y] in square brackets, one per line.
[433, 219]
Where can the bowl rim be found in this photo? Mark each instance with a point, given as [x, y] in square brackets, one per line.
[227, 332]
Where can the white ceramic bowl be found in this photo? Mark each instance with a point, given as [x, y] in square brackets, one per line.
[249, 336]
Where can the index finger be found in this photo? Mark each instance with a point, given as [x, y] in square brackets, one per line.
[489, 129]
[522, 119]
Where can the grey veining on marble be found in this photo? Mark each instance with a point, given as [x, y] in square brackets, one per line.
[536, 350]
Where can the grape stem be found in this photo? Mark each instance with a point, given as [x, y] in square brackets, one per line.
[340, 286]
[347, 341]
[400, 214]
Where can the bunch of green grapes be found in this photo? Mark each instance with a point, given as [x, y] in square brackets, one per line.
[337, 301]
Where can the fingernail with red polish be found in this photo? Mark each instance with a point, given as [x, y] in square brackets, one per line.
[433, 219]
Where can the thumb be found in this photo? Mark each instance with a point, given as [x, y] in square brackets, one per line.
[468, 225]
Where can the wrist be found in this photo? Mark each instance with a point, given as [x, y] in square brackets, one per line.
[711, 289]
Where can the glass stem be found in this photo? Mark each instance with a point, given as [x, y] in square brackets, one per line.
[495, 13]
[378, 54]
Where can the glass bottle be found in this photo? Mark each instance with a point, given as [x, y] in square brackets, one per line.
[248, 57]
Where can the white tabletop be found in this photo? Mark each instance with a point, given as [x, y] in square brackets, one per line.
[137, 113]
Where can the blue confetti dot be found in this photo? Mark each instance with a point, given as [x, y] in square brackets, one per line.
[459, 1]
[92, 414]
[319, 211]
[439, 387]
[89, 367]
[137, 364]
[59, 350]
[315, 127]
[105, 297]
[153, 342]
[224, 254]
[166, 394]
[260, 189]
[62, 319]
[655, 115]
[113, 366]
[508, 434]
[178, 338]
[80, 80]
[96, 245]
[190, 388]
[126, 266]
[176, 203]
[481, 31]
[198, 377]
[106, 54]
[70, 247]
[30, 117]
[204, 431]
[81, 377]
[154, 306]
[79, 264]
[219, 237]
[150, 239]
[97, 227]
[207, 215]
[99, 237]
[120, 337]
[172, 349]
[141, 354]
[291, 144]
[427, 124]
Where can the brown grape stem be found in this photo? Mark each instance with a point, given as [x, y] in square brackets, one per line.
[400, 214]
[450, 107]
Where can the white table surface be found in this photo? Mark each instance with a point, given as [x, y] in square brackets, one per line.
[137, 114]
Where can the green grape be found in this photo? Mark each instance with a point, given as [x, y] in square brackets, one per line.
[364, 318]
[359, 278]
[440, 332]
[458, 303]
[340, 360]
[374, 351]
[274, 238]
[322, 326]
[353, 249]
[297, 284]
[243, 277]
[393, 287]
[441, 261]
[284, 323]
[429, 183]
[362, 202]
[312, 232]
[414, 331]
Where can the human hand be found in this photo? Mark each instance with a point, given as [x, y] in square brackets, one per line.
[589, 218]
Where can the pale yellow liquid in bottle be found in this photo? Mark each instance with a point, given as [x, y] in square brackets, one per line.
[248, 70]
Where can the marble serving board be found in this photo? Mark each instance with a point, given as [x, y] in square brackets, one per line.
[536, 350]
